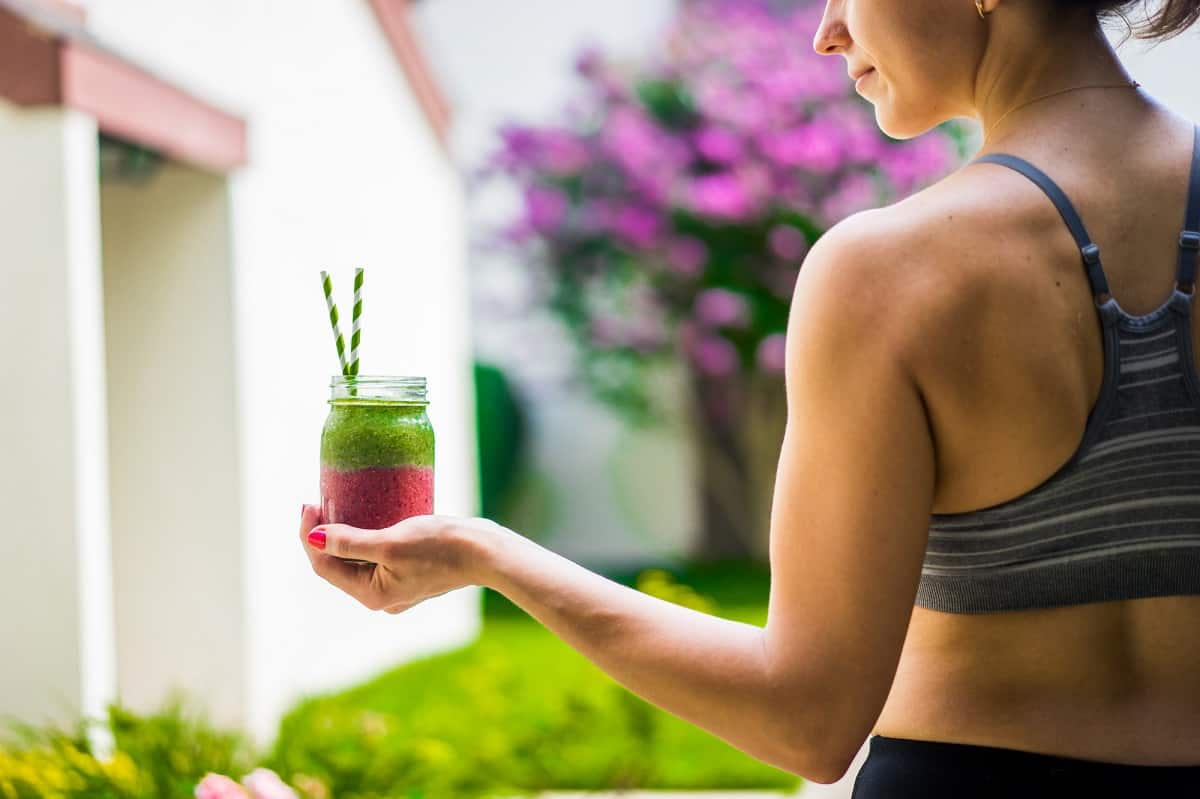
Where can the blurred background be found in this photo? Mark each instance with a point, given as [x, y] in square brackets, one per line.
[581, 221]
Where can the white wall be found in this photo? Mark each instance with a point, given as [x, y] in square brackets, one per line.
[173, 439]
[344, 171]
[55, 589]
[1166, 70]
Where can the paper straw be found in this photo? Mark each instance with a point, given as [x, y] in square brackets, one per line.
[327, 286]
[354, 315]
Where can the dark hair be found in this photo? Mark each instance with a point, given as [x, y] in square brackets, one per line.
[1172, 19]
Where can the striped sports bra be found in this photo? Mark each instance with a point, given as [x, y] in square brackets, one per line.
[1121, 518]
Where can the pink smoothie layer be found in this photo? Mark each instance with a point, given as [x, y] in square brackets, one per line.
[375, 497]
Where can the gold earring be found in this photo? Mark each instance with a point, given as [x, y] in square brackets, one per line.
[979, 8]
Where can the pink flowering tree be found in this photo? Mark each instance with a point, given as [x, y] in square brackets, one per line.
[667, 217]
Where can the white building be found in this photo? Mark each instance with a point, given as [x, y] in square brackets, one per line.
[170, 352]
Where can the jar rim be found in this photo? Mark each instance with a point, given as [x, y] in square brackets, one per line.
[402, 381]
[379, 389]
[377, 401]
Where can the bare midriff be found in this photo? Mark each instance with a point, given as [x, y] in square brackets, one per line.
[1112, 681]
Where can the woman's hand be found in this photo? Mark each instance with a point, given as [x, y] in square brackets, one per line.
[413, 560]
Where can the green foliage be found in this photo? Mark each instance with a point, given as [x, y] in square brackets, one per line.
[502, 438]
[158, 756]
[668, 101]
[661, 584]
[123, 161]
[514, 713]
[733, 589]
[519, 711]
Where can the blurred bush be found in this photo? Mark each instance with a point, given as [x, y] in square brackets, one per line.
[516, 712]
[157, 756]
[520, 711]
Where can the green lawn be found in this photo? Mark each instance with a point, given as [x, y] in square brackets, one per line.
[519, 711]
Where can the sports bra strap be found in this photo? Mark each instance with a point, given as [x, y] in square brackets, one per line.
[1087, 248]
[1189, 237]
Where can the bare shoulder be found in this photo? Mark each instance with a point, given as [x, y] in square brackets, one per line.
[918, 267]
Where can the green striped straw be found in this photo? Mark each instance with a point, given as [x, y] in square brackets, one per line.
[354, 315]
[327, 286]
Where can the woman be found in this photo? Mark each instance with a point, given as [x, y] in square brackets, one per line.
[985, 536]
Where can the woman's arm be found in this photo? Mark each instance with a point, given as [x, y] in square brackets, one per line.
[849, 526]
[707, 670]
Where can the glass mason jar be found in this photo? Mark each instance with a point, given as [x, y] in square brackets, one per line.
[376, 452]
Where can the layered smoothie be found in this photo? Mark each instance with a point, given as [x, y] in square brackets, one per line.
[376, 462]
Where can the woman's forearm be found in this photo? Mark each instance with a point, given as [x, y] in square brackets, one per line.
[707, 670]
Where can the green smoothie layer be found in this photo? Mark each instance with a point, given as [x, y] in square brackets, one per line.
[360, 433]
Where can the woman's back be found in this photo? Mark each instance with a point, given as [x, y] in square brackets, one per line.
[1009, 390]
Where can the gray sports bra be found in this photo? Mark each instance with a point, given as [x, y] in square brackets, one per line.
[1121, 518]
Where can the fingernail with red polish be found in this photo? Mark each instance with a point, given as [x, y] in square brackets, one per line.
[317, 538]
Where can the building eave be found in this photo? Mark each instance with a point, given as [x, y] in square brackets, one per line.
[395, 18]
[48, 58]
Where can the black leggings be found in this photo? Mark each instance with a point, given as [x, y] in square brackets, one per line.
[902, 768]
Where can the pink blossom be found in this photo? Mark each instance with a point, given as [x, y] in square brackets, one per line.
[653, 186]
[636, 225]
[553, 150]
[773, 131]
[687, 255]
[721, 307]
[606, 330]
[519, 146]
[756, 182]
[786, 242]
[519, 232]
[645, 151]
[727, 104]
[721, 195]
[813, 146]
[791, 190]
[545, 208]
[714, 356]
[632, 137]
[595, 216]
[857, 132]
[648, 333]
[218, 786]
[266, 784]
[719, 145]
[784, 85]
[916, 161]
[771, 353]
[562, 153]
[855, 193]
[589, 62]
